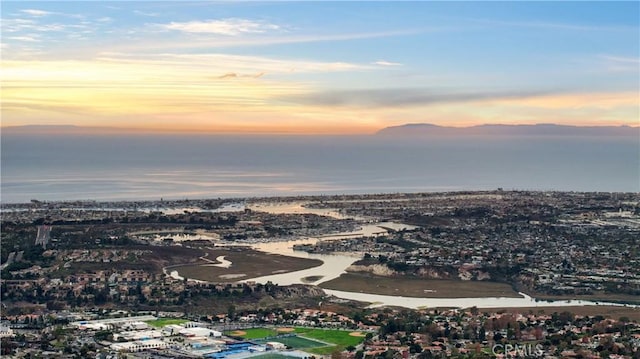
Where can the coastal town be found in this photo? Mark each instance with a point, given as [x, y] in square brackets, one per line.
[313, 333]
[77, 277]
[319, 179]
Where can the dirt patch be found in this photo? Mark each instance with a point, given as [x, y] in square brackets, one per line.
[285, 330]
[232, 276]
[238, 333]
[311, 279]
[613, 312]
[357, 334]
[419, 288]
[245, 260]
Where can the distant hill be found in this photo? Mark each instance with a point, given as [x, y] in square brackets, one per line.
[425, 129]
[413, 129]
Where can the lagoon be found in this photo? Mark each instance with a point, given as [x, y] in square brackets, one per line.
[336, 264]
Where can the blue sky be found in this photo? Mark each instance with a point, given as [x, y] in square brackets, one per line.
[319, 67]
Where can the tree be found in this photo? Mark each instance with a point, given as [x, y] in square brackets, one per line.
[231, 312]
[103, 335]
[497, 337]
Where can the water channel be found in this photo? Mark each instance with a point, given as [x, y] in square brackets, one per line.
[336, 264]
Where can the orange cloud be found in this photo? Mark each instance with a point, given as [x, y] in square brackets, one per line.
[604, 100]
[186, 93]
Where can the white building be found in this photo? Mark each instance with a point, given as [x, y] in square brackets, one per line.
[6, 332]
[172, 329]
[139, 345]
[276, 346]
[95, 326]
[135, 326]
[200, 332]
[138, 335]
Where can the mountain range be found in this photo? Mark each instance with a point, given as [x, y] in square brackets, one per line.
[412, 129]
[426, 129]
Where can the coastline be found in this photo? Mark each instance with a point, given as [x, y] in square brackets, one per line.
[496, 295]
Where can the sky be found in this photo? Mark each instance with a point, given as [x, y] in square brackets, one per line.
[318, 67]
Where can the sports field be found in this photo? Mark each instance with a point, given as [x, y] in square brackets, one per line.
[253, 333]
[312, 340]
[340, 338]
[296, 342]
[159, 323]
[272, 356]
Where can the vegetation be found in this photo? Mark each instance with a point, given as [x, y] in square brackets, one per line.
[341, 338]
[296, 342]
[160, 323]
[419, 287]
[317, 341]
[257, 333]
[272, 356]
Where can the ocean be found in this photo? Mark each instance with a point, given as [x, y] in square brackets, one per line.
[139, 167]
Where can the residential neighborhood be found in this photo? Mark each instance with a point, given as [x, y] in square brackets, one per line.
[185, 278]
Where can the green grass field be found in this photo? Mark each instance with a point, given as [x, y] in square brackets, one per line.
[308, 339]
[338, 337]
[328, 350]
[296, 342]
[272, 356]
[257, 333]
[159, 323]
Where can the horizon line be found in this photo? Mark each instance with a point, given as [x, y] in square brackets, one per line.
[60, 129]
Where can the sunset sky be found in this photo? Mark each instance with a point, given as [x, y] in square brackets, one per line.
[318, 67]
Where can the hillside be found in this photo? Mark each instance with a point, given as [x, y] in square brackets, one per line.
[425, 129]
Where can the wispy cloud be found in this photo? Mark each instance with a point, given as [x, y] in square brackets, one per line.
[387, 63]
[25, 38]
[550, 25]
[44, 31]
[184, 82]
[17, 25]
[36, 12]
[230, 27]
[143, 13]
[234, 75]
[43, 13]
[622, 59]
[621, 63]
[577, 101]
[106, 87]
[231, 64]
[401, 97]
[158, 44]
